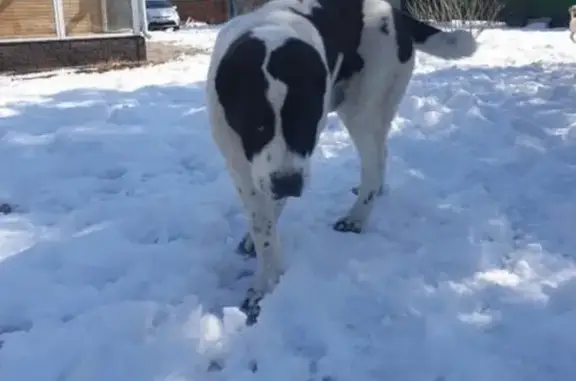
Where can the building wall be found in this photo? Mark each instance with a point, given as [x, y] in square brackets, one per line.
[557, 10]
[28, 56]
[208, 11]
[517, 12]
[85, 20]
[216, 11]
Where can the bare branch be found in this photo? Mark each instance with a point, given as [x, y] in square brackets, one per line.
[474, 15]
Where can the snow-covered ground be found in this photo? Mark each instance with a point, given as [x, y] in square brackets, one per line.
[199, 35]
[119, 263]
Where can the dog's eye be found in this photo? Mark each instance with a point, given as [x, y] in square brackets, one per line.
[260, 129]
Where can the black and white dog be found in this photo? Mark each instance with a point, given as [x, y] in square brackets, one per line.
[274, 76]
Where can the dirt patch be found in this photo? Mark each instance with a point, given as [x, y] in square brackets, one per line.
[157, 52]
[160, 52]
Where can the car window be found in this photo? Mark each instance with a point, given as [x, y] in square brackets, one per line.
[158, 4]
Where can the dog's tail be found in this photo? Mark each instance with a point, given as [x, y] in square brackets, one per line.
[431, 40]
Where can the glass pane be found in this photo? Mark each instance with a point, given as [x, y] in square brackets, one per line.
[83, 17]
[158, 4]
[26, 18]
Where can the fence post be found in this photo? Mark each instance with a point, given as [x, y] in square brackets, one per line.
[231, 9]
[59, 18]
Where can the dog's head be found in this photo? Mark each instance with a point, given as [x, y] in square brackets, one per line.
[572, 11]
[276, 88]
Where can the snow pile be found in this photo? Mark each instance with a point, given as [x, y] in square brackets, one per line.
[118, 262]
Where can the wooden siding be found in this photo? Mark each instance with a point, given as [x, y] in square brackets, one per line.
[35, 18]
[26, 18]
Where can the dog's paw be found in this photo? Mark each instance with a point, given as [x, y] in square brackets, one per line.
[381, 191]
[246, 247]
[251, 306]
[348, 225]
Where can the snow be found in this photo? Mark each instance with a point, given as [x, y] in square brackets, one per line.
[118, 262]
[199, 35]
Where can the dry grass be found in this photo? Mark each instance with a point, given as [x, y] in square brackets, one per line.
[462, 14]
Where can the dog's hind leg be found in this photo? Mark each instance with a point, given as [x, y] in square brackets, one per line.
[371, 147]
[371, 143]
[246, 246]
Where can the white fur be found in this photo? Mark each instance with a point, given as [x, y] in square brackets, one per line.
[273, 24]
[369, 105]
[572, 26]
[450, 45]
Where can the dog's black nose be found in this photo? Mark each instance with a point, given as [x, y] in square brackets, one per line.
[287, 185]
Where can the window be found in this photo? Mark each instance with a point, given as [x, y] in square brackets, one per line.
[82, 17]
[155, 4]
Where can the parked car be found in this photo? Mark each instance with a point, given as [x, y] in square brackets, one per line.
[162, 15]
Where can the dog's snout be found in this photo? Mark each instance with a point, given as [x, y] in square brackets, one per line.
[287, 185]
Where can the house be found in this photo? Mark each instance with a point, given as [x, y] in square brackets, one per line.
[44, 34]
[217, 11]
[515, 12]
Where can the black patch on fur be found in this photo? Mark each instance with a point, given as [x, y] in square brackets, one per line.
[241, 87]
[345, 225]
[340, 24]
[369, 198]
[404, 36]
[299, 66]
[384, 27]
[251, 307]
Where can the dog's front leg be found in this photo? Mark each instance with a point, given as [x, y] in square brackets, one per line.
[246, 245]
[261, 211]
